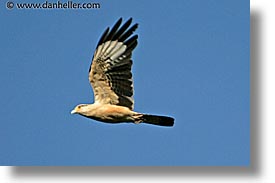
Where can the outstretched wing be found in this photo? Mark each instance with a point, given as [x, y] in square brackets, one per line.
[110, 72]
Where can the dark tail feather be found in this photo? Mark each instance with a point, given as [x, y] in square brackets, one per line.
[158, 120]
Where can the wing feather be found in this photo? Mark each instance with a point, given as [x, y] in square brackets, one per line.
[110, 72]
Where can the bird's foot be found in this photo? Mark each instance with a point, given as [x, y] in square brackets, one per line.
[138, 118]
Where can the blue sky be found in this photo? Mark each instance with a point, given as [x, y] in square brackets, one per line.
[192, 63]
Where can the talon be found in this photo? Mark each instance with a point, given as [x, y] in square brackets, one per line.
[138, 118]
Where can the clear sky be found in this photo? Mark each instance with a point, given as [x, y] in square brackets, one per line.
[192, 63]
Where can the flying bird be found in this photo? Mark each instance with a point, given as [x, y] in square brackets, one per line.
[111, 79]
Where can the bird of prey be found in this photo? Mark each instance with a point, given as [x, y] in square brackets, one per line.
[111, 79]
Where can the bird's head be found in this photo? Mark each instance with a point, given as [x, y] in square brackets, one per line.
[79, 109]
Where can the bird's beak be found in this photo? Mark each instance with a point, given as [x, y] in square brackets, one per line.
[73, 111]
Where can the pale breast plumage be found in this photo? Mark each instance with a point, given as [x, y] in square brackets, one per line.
[110, 72]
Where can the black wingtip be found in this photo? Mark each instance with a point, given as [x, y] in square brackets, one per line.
[118, 32]
[103, 37]
[131, 40]
[130, 20]
[128, 33]
[119, 21]
[114, 30]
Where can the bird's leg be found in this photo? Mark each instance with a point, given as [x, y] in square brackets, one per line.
[138, 118]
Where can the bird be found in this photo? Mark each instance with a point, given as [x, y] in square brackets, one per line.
[111, 79]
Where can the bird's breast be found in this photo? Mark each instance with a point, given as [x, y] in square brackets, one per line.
[113, 114]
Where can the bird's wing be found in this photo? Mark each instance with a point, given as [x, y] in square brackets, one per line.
[110, 72]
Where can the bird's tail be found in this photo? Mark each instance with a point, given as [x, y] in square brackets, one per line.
[157, 120]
